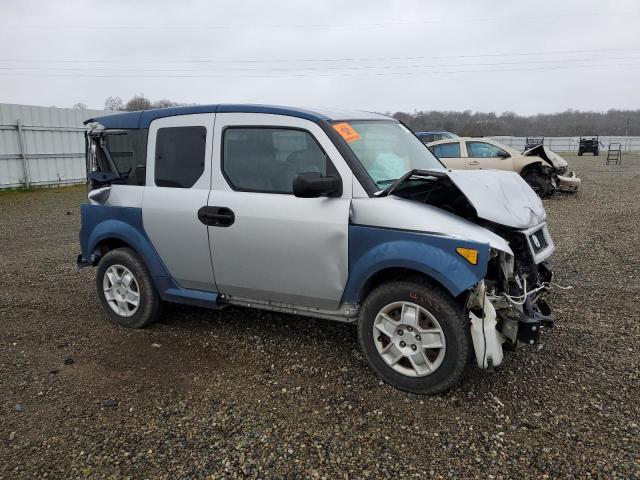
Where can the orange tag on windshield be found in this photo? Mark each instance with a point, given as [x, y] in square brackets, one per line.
[347, 132]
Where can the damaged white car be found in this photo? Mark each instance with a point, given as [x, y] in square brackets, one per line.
[333, 214]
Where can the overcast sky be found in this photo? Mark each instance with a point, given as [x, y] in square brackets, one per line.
[497, 55]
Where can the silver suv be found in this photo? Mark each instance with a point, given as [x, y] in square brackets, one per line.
[340, 215]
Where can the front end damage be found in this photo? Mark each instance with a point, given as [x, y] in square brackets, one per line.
[507, 308]
[562, 179]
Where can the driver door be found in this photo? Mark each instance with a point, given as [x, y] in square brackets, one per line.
[272, 245]
[484, 155]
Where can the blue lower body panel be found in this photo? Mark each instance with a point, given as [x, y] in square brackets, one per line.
[170, 291]
[373, 249]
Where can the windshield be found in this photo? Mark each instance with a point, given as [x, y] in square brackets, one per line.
[386, 149]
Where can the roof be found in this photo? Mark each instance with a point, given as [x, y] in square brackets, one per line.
[143, 118]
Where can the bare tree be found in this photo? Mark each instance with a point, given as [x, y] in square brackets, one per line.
[164, 103]
[80, 106]
[137, 102]
[113, 103]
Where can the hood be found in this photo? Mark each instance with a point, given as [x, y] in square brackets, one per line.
[497, 196]
[500, 197]
[549, 156]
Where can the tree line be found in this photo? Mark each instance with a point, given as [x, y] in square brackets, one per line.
[563, 124]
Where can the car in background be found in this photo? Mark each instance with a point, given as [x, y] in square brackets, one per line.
[544, 170]
[434, 135]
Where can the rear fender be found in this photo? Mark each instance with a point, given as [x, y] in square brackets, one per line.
[103, 222]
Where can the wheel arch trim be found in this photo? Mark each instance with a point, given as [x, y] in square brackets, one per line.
[373, 250]
[101, 223]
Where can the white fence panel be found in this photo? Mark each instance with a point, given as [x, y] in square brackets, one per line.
[52, 148]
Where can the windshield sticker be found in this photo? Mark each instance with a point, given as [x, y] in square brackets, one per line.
[347, 132]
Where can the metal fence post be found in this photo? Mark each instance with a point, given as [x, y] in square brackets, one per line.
[23, 154]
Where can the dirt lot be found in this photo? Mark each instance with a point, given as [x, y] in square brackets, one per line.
[241, 393]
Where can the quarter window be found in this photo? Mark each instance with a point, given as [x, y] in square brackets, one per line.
[484, 150]
[446, 150]
[267, 159]
[179, 156]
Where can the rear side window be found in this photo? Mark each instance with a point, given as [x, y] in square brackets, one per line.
[179, 156]
[128, 151]
[267, 159]
[446, 150]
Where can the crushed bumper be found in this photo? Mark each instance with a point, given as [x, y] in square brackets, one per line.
[500, 319]
[568, 182]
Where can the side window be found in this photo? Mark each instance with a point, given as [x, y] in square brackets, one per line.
[446, 150]
[266, 159]
[179, 156]
[484, 150]
[128, 151]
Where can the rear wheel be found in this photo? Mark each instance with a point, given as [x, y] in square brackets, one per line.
[125, 289]
[415, 336]
[538, 182]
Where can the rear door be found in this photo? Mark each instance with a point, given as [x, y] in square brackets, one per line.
[450, 154]
[178, 180]
[485, 155]
[271, 245]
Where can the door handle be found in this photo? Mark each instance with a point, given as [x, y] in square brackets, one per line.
[216, 216]
[475, 162]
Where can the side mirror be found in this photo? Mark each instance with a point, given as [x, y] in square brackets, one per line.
[503, 154]
[313, 185]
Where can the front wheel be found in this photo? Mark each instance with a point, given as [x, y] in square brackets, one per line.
[125, 289]
[415, 337]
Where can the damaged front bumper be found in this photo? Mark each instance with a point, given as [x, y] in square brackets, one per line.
[507, 308]
[568, 182]
[498, 320]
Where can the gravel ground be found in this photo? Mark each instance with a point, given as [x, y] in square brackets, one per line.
[241, 393]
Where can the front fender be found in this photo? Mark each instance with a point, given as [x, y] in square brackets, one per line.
[372, 249]
[105, 222]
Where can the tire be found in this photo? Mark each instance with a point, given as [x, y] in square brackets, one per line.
[539, 183]
[449, 364]
[112, 280]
